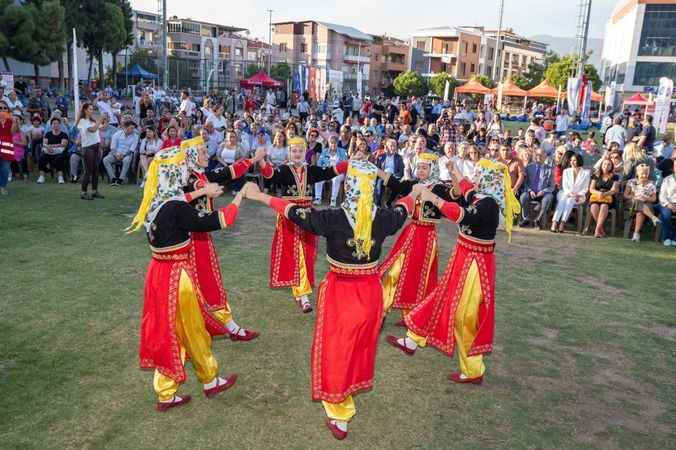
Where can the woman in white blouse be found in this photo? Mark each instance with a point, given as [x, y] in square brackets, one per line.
[150, 145]
[574, 189]
[278, 155]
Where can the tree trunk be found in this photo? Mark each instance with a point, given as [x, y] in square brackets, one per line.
[102, 76]
[36, 70]
[114, 71]
[4, 59]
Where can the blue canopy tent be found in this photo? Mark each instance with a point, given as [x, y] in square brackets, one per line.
[136, 71]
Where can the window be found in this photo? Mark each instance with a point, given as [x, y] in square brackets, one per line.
[491, 52]
[471, 68]
[195, 47]
[489, 71]
[463, 68]
[658, 35]
[303, 48]
[649, 73]
[524, 60]
[473, 48]
[420, 45]
[238, 51]
[465, 48]
[282, 47]
[444, 48]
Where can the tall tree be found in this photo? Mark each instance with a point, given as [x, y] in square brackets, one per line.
[410, 83]
[16, 30]
[484, 81]
[280, 71]
[121, 30]
[48, 38]
[438, 83]
[558, 73]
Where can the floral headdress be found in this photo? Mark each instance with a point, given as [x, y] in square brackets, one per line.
[358, 204]
[431, 160]
[492, 179]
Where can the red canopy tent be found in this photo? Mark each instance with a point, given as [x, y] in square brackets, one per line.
[472, 87]
[259, 79]
[636, 99]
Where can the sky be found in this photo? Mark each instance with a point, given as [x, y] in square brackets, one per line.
[398, 18]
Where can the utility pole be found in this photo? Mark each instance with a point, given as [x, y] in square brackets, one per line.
[165, 65]
[497, 58]
[270, 11]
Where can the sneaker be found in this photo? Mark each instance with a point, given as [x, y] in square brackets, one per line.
[669, 243]
[636, 237]
[142, 185]
[9, 178]
[86, 196]
[41, 179]
[333, 204]
[73, 179]
[3, 191]
[656, 221]
[96, 194]
[61, 181]
[113, 182]
[317, 202]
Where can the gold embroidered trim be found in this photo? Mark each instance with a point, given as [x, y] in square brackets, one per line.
[170, 248]
[346, 266]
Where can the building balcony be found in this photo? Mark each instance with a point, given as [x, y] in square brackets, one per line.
[440, 55]
[353, 76]
[357, 59]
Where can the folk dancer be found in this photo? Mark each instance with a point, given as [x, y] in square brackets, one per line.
[349, 302]
[293, 253]
[410, 269]
[175, 323]
[461, 308]
[202, 253]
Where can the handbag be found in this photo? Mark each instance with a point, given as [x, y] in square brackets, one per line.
[597, 198]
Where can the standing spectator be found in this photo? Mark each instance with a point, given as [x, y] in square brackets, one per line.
[633, 129]
[574, 189]
[53, 146]
[217, 119]
[667, 207]
[122, 148]
[329, 157]
[20, 141]
[303, 110]
[539, 187]
[6, 145]
[646, 140]
[90, 138]
[603, 188]
[105, 107]
[562, 123]
[187, 105]
[391, 111]
[389, 162]
[516, 170]
[616, 133]
[642, 194]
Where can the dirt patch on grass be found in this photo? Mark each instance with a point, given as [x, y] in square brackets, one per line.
[599, 285]
[663, 331]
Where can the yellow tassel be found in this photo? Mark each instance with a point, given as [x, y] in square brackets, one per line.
[364, 216]
[512, 205]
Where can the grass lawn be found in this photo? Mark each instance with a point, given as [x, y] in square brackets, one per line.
[585, 345]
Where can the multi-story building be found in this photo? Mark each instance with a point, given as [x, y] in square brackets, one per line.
[340, 55]
[467, 51]
[454, 50]
[516, 55]
[203, 55]
[639, 45]
[388, 59]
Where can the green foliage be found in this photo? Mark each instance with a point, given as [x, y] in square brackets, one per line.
[280, 71]
[17, 28]
[438, 83]
[557, 74]
[410, 83]
[485, 81]
[252, 69]
[521, 81]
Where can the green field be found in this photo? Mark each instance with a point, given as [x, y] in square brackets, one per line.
[584, 357]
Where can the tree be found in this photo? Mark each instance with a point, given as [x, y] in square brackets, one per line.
[49, 36]
[120, 34]
[280, 71]
[484, 81]
[536, 71]
[410, 83]
[16, 30]
[558, 73]
[438, 83]
[521, 81]
[252, 69]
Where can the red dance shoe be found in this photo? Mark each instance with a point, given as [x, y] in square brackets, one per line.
[337, 432]
[166, 406]
[456, 378]
[392, 340]
[229, 381]
[248, 335]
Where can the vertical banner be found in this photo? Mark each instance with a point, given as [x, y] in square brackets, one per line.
[359, 82]
[306, 76]
[498, 101]
[76, 77]
[585, 102]
[663, 104]
[297, 82]
[572, 94]
[312, 83]
[446, 89]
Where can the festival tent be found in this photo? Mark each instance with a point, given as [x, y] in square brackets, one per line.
[596, 97]
[544, 90]
[636, 99]
[137, 71]
[472, 87]
[509, 89]
[259, 79]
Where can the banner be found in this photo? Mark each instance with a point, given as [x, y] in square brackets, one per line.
[611, 94]
[585, 102]
[663, 104]
[76, 77]
[446, 89]
[336, 82]
[312, 83]
[573, 95]
[359, 82]
[7, 80]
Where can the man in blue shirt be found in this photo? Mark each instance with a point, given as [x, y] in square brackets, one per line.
[538, 187]
[122, 148]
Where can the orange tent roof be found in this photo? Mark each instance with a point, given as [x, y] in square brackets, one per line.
[596, 97]
[509, 89]
[544, 90]
[472, 87]
[636, 99]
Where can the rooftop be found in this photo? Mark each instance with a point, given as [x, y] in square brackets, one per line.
[340, 29]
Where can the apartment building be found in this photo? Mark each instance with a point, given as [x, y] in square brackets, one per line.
[389, 58]
[338, 54]
[639, 45]
[454, 50]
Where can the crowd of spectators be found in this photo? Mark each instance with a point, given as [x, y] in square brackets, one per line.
[556, 173]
